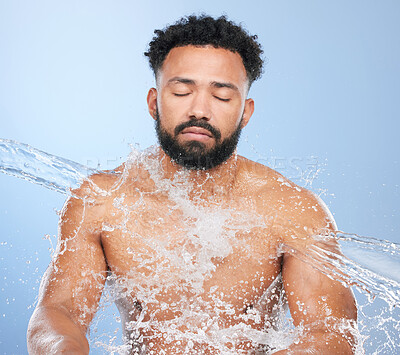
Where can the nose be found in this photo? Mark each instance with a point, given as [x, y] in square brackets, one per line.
[200, 107]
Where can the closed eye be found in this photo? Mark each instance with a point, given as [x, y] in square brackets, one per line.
[221, 99]
[176, 94]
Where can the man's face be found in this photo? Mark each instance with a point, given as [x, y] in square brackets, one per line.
[200, 105]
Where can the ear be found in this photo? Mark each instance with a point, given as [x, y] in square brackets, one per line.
[247, 112]
[152, 102]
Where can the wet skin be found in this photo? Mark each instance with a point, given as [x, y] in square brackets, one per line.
[142, 259]
[137, 234]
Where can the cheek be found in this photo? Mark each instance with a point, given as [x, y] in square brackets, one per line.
[228, 122]
[169, 117]
[172, 106]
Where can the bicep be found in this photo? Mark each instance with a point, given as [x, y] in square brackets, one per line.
[75, 277]
[312, 296]
[312, 253]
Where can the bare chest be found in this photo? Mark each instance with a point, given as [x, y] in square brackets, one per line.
[172, 257]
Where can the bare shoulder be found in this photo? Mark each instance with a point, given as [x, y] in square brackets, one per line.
[89, 202]
[99, 184]
[296, 210]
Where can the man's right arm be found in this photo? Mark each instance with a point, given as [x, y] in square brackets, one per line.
[72, 285]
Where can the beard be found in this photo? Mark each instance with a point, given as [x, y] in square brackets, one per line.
[195, 155]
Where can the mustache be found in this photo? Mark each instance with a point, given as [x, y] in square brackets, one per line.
[196, 123]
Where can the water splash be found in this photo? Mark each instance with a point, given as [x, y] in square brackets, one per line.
[28, 163]
[369, 264]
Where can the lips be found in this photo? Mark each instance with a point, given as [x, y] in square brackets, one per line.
[197, 131]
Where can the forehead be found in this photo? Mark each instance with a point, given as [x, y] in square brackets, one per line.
[203, 64]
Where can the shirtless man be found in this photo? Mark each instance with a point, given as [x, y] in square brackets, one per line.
[202, 247]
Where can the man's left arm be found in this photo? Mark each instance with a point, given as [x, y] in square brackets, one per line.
[325, 308]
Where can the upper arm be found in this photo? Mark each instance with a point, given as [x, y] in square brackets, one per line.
[314, 297]
[76, 275]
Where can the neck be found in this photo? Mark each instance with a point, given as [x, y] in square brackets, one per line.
[215, 183]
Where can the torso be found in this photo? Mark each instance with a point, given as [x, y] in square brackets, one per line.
[190, 276]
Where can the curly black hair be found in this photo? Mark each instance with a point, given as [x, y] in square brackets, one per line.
[205, 30]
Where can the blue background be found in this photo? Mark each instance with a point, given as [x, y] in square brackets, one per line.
[73, 82]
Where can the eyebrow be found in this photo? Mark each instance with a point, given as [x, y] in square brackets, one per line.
[216, 84]
[178, 79]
